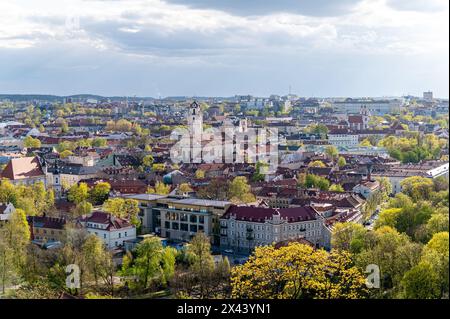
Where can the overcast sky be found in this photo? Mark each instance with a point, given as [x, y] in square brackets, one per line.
[224, 47]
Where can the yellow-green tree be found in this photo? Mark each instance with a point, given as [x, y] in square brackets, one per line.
[297, 271]
[29, 141]
[240, 191]
[317, 164]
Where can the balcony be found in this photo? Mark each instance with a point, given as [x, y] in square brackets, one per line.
[223, 226]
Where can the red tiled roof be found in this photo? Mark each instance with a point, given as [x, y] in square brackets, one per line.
[355, 119]
[259, 214]
[23, 167]
[99, 217]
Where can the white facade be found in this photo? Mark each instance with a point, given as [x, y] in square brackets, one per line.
[6, 214]
[344, 139]
[375, 107]
[245, 235]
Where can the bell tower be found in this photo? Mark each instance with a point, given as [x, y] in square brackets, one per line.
[195, 124]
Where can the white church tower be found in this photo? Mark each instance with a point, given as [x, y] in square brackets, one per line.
[195, 124]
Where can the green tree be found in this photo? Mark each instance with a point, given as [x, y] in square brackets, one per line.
[332, 152]
[421, 282]
[82, 208]
[14, 237]
[341, 161]
[199, 174]
[99, 193]
[152, 264]
[29, 141]
[147, 161]
[336, 188]
[240, 190]
[161, 188]
[78, 193]
[123, 208]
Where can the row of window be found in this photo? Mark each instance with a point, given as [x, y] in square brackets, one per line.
[266, 227]
[44, 231]
[120, 235]
[184, 227]
[185, 217]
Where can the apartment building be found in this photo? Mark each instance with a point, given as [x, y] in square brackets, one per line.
[242, 228]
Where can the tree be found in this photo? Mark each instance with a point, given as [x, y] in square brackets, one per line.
[123, 208]
[99, 193]
[394, 254]
[297, 271]
[148, 160]
[436, 254]
[204, 278]
[99, 142]
[348, 236]
[31, 142]
[240, 191]
[65, 154]
[417, 187]
[260, 171]
[316, 164]
[365, 143]
[439, 222]
[161, 188]
[14, 237]
[82, 208]
[184, 188]
[199, 174]
[152, 264]
[98, 262]
[92, 251]
[8, 193]
[78, 193]
[158, 167]
[202, 260]
[336, 188]
[341, 162]
[421, 282]
[315, 181]
[332, 152]
[216, 189]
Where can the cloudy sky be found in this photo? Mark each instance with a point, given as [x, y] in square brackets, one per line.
[224, 47]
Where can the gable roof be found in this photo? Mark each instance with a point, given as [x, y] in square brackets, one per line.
[22, 168]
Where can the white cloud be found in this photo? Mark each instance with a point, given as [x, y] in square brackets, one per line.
[225, 35]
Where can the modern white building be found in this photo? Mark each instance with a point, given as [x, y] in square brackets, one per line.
[429, 169]
[343, 138]
[375, 107]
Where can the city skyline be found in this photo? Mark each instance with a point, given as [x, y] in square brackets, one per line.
[225, 48]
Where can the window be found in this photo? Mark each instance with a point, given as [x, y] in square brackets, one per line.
[184, 227]
[183, 217]
[120, 235]
[193, 228]
[175, 226]
[193, 218]
[167, 224]
[201, 219]
[104, 236]
[126, 234]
